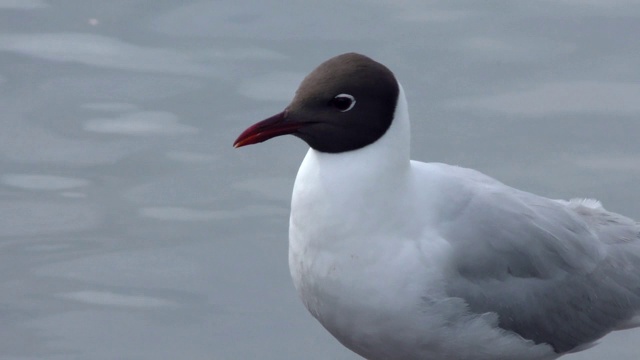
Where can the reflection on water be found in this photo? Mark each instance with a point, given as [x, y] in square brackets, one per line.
[140, 123]
[131, 228]
[588, 97]
[42, 182]
[102, 51]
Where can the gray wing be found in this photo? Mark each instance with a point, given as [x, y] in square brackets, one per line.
[562, 273]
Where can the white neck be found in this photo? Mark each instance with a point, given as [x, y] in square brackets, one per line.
[332, 187]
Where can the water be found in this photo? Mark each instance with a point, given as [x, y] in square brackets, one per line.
[130, 227]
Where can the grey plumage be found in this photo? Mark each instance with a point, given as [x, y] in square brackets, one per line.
[574, 266]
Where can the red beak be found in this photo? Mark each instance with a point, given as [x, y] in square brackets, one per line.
[266, 129]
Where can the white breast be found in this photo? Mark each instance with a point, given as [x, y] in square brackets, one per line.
[369, 265]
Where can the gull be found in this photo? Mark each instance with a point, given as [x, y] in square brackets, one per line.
[401, 259]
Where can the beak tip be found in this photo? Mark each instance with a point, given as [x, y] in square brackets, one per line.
[237, 144]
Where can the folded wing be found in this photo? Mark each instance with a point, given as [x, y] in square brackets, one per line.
[556, 272]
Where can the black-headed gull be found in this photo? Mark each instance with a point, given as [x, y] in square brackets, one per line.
[401, 259]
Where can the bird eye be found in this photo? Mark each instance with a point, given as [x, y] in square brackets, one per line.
[343, 102]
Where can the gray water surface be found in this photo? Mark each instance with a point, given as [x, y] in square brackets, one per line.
[131, 229]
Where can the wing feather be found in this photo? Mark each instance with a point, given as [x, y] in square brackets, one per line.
[556, 272]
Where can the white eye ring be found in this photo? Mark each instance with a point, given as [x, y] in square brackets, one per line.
[339, 97]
